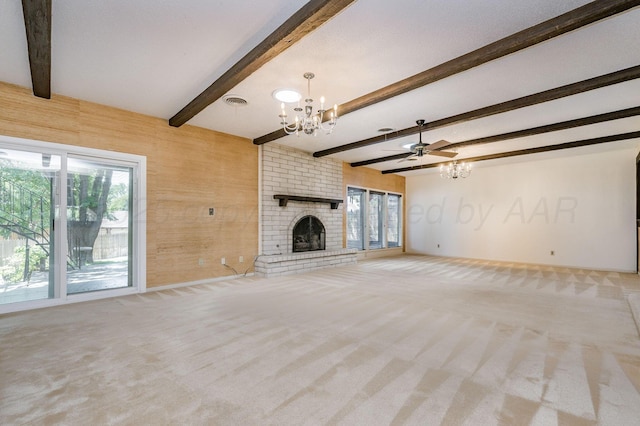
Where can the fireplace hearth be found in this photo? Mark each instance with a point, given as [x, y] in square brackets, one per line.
[308, 235]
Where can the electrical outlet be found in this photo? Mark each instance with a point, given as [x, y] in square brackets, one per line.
[201, 261]
[212, 211]
[241, 259]
[223, 261]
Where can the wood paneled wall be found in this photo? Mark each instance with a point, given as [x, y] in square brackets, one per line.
[368, 178]
[365, 177]
[189, 170]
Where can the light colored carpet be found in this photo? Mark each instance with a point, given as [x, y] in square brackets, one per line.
[403, 340]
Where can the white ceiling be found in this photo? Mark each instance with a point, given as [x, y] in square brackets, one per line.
[154, 56]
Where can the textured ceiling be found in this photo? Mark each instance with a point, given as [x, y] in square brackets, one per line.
[153, 57]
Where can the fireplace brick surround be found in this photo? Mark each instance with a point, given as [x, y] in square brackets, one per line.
[293, 172]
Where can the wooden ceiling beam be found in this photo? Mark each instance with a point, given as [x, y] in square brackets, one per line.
[525, 101]
[380, 159]
[576, 18]
[567, 145]
[37, 23]
[563, 125]
[301, 23]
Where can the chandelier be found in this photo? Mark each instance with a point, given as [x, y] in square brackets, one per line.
[455, 170]
[305, 119]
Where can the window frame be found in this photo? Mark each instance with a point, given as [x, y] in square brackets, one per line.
[138, 219]
[382, 219]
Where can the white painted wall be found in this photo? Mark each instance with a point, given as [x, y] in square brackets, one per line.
[581, 206]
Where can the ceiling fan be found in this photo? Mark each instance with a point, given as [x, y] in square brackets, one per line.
[419, 149]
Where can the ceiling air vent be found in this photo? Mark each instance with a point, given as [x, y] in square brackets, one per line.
[235, 101]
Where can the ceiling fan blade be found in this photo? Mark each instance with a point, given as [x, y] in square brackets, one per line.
[448, 154]
[439, 144]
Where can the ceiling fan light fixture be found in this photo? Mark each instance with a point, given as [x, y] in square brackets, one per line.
[421, 149]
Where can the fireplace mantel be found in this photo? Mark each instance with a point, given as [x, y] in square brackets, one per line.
[284, 199]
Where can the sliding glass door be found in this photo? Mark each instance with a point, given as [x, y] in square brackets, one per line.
[99, 237]
[67, 223]
[28, 184]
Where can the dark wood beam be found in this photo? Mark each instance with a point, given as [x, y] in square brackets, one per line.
[546, 30]
[37, 22]
[563, 125]
[301, 23]
[567, 145]
[525, 101]
[380, 159]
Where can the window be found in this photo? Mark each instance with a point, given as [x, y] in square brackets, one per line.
[374, 219]
[394, 221]
[355, 218]
[68, 225]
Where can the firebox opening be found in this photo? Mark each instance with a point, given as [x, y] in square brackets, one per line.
[308, 235]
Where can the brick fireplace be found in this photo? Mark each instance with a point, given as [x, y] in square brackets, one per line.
[298, 176]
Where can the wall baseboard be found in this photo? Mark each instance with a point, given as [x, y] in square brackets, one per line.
[374, 254]
[198, 282]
